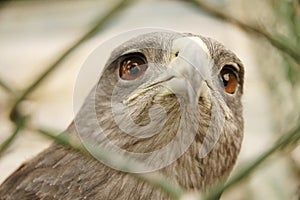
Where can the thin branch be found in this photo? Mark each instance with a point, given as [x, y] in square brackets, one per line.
[295, 14]
[20, 123]
[156, 179]
[100, 22]
[280, 42]
[288, 138]
[7, 88]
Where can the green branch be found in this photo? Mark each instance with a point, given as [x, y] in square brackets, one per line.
[288, 138]
[20, 123]
[7, 88]
[156, 179]
[15, 116]
[175, 191]
[100, 22]
[279, 41]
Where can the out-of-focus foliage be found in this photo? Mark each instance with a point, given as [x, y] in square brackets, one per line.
[286, 21]
[275, 29]
[281, 18]
[281, 72]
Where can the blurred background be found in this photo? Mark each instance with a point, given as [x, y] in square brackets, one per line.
[34, 34]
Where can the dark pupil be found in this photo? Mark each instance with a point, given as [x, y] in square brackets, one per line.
[225, 79]
[134, 69]
[225, 83]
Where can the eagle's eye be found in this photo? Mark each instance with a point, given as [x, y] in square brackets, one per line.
[229, 79]
[132, 66]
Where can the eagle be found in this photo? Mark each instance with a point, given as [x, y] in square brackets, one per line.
[170, 101]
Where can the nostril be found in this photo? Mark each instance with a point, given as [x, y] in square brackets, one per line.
[176, 54]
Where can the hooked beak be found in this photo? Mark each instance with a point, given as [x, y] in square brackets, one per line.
[186, 72]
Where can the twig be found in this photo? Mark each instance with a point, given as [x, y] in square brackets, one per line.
[14, 114]
[295, 14]
[280, 42]
[20, 123]
[100, 22]
[156, 179]
[285, 140]
[7, 88]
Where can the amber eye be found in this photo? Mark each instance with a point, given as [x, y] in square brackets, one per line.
[132, 66]
[229, 79]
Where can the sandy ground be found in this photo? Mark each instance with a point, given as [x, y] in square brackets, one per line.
[33, 35]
